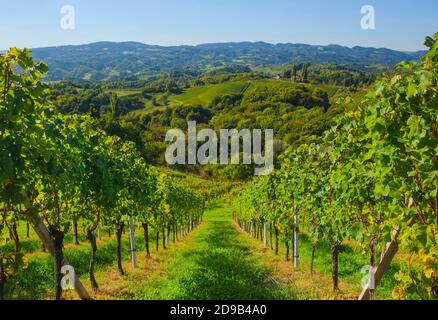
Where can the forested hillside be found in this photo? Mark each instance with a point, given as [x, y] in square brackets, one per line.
[132, 60]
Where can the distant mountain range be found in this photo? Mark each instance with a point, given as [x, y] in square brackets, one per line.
[110, 60]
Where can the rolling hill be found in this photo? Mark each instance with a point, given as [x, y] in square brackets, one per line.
[204, 95]
[129, 60]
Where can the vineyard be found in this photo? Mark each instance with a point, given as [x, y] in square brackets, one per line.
[373, 179]
[370, 181]
[58, 171]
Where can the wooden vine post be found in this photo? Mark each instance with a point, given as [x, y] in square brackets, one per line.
[379, 271]
[42, 232]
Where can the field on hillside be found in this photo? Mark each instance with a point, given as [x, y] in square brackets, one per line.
[125, 92]
[204, 95]
[270, 70]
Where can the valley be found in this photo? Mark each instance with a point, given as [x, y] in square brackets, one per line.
[349, 210]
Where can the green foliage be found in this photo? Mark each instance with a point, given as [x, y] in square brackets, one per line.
[65, 168]
[136, 61]
[373, 177]
[215, 264]
[344, 75]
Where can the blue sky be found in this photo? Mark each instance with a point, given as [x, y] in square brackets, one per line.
[400, 24]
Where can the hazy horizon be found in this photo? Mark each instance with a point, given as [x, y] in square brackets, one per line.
[208, 43]
[400, 26]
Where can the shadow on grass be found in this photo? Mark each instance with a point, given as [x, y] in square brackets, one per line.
[37, 280]
[351, 261]
[218, 266]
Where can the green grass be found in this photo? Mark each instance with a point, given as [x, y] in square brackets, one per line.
[351, 261]
[215, 264]
[125, 92]
[271, 70]
[36, 281]
[33, 244]
[204, 95]
[216, 261]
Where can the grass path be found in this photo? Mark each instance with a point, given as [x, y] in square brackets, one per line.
[214, 262]
[217, 261]
[300, 283]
